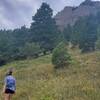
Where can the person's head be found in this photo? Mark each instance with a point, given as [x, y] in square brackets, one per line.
[10, 72]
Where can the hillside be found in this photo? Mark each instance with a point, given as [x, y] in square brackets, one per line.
[37, 80]
[69, 15]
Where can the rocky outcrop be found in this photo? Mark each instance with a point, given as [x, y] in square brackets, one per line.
[69, 15]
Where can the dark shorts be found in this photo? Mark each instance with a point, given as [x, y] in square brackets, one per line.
[8, 91]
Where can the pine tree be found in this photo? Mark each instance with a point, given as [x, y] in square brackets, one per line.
[67, 33]
[87, 35]
[43, 28]
[61, 58]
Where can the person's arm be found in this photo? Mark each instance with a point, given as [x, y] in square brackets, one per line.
[4, 88]
[15, 85]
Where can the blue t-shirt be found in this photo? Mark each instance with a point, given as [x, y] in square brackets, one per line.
[10, 83]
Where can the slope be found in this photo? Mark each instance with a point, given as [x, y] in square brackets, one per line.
[37, 80]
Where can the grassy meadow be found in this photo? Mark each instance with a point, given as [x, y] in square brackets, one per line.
[38, 80]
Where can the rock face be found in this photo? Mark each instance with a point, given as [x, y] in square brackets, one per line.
[69, 15]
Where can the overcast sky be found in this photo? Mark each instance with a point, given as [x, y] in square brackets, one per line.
[16, 13]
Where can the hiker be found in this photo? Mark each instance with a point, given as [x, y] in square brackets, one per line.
[9, 85]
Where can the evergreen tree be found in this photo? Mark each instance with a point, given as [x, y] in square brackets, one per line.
[87, 35]
[67, 33]
[98, 38]
[43, 28]
[21, 36]
[61, 58]
[30, 50]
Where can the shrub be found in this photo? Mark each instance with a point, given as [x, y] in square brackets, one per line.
[30, 50]
[98, 44]
[61, 57]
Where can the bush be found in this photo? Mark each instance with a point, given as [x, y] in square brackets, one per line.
[30, 50]
[98, 44]
[61, 57]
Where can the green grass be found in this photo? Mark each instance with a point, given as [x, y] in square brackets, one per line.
[37, 79]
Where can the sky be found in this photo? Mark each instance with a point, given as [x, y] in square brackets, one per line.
[16, 13]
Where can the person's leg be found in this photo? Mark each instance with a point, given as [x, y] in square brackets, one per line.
[6, 97]
[10, 96]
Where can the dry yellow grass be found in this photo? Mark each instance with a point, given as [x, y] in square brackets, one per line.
[37, 79]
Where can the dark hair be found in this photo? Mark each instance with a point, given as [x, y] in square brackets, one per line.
[10, 71]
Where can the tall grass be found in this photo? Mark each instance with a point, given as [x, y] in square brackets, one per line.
[37, 79]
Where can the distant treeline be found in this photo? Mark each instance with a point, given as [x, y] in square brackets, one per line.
[85, 33]
[43, 36]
